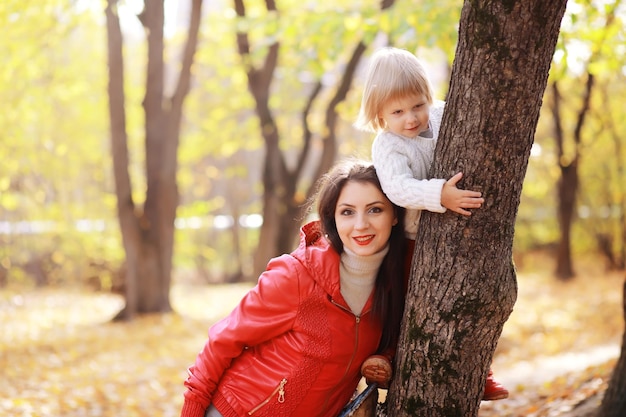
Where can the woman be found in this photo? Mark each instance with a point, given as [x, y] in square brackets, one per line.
[295, 343]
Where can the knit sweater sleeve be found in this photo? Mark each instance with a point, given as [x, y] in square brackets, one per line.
[394, 165]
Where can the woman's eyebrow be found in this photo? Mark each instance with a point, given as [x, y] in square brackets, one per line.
[349, 203]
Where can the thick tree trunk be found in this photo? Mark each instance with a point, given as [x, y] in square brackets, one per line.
[614, 401]
[463, 284]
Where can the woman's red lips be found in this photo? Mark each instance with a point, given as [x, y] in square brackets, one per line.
[363, 240]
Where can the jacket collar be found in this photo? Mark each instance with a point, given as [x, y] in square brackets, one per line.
[319, 258]
[322, 261]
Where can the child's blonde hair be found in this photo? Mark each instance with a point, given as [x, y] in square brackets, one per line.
[393, 74]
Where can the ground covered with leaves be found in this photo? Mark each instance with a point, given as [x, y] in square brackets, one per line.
[61, 356]
[559, 346]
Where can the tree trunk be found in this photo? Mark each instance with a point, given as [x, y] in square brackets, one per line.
[119, 150]
[614, 401]
[568, 183]
[148, 234]
[463, 285]
[567, 188]
[283, 201]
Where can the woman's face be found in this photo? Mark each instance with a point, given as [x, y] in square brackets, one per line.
[364, 217]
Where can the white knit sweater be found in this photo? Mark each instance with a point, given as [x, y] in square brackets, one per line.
[402, 165]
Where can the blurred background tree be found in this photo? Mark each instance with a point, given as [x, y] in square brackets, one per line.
[585, 58]
[147, 228]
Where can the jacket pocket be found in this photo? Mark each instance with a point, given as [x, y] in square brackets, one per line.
[279, 391]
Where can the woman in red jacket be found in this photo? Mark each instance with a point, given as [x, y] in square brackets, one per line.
[295, 343]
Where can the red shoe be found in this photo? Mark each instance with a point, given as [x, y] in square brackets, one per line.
[493, 389]
[377, 368]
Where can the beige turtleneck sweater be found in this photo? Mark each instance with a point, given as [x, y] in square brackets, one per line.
[357, 276]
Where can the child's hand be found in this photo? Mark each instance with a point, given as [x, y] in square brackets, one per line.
[377, 368]
[458, 200]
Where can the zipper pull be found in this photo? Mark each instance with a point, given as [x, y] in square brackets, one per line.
[281, 391]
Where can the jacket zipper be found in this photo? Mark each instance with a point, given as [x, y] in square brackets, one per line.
[357, 318]
[356, 343]
[280, 389]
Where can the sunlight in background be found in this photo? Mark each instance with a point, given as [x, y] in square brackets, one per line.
[577, 51]
[128, 10]
[535, 150]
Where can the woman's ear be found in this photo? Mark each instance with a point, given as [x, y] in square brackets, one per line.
[395, 221]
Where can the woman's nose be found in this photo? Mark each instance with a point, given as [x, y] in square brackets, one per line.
[361, 222]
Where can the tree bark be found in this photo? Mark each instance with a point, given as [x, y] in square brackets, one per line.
[148, 232]
[463, 285]
[614, 400]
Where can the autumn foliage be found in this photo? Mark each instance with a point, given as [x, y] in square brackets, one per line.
[61, 356]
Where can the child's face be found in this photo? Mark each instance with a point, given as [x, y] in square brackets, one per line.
[364, 218]
[407, 116]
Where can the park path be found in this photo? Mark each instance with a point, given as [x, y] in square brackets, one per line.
[540, 370]
[530, 384]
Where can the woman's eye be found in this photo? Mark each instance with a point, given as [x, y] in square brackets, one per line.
[345, 212]
[376, 210]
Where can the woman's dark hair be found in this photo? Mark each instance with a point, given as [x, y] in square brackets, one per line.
[389, 292]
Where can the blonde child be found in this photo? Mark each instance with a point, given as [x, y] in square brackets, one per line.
[398, 105]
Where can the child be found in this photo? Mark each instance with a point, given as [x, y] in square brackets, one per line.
[398, 105]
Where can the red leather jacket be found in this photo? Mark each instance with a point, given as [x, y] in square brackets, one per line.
[292, 347]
